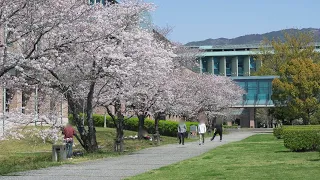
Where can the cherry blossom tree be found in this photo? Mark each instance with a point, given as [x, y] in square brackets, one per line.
[185, 84]
[195, 93]
[26, 23]
[151, 90]
[99, 50]
[143, 91]
[101, 55]
[138, 90]
[154, 101]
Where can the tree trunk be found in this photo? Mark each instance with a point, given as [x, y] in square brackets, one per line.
[307, 119]
[91, 127]
[119, 136]
[118, 144]
[92, 135]
[141, 118]
[88, 138]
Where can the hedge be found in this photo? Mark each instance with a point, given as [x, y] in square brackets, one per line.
[166, 128]
[302, 127]
[301, 139]
[278, 132]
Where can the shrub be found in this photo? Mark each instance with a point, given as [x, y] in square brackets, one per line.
[301, 139]
[302, 127]
[315, 121]
[131, 124]
[98, 120]
[278, 132]
[230, 127]
[166, 128]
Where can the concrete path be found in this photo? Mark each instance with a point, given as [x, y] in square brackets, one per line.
[129, 165]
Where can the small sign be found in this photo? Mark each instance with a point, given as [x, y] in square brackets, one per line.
[193, 131]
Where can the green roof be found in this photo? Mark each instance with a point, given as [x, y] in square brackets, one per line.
[233, 53]
[237, 46]
[229, 53]
[253, 77]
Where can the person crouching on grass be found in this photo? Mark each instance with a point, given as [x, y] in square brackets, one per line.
[202, 128]
[68, 132]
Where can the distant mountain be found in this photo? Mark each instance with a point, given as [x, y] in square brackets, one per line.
[254, 38]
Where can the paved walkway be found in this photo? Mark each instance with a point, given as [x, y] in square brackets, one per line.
[129, 165]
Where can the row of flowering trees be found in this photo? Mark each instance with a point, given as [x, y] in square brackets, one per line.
[101, 54]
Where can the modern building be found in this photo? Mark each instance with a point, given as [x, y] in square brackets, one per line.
[258, 95]
[238, 63]
[229, 60]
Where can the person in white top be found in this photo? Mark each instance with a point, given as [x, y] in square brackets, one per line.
[202, 129]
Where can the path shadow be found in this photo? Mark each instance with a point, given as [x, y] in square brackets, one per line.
[288, 151]
[314, 160]
[285, 151]
[181, 147]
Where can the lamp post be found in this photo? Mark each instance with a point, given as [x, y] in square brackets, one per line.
[4, 62]
[61, 109]
[105, 120]
[83, 113]
[36, 106]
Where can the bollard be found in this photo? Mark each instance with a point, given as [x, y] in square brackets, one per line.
[59, 149]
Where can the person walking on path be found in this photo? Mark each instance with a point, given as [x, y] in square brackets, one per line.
[68, 132]
[217, 130]
[182, 129]
[202, 129]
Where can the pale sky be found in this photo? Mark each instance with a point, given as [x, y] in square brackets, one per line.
[195, 20]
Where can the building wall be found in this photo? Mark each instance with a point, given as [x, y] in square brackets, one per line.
[58, 107]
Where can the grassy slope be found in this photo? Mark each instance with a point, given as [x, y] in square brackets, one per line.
[257, 157]
[32, 153]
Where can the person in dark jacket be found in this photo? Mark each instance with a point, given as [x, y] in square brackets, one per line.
[217, 130]
[182, 129]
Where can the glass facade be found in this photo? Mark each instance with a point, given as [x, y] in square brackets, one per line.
[258, 88]
[251, 92]
[228, 66]
[204, 65]
[216, 65]
[240, 66]
[244, 66]
[252, 65]
[98, 1]
[258, 91]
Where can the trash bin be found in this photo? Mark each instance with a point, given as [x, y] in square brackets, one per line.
[59, 152]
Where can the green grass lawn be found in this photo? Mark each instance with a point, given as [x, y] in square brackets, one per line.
[32, 153]
[257, 157]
